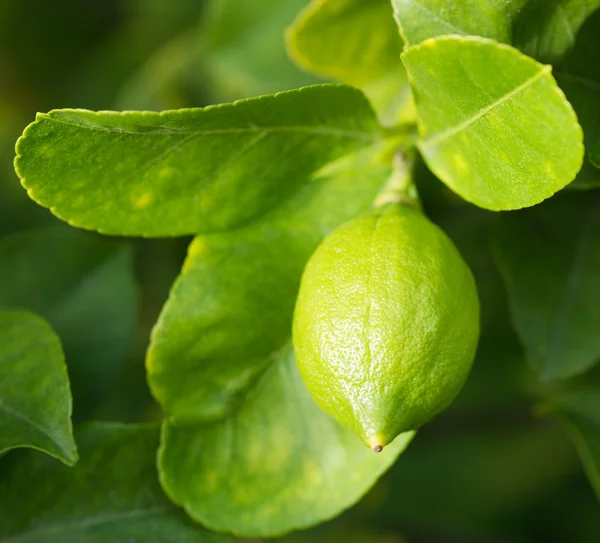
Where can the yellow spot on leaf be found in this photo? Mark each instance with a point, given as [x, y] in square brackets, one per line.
[143, 200]
[458, 162]
[166, 172]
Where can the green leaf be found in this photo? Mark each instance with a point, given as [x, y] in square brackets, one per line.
[350, 40]
[579, 76]
[232, 306]
[355, 42]
[111, 495]
[35, 400]
[495, 127]
[580, 412]
[563, 33]
[84, 286]
[188, 171]
[596, 154]
[541, 29]
[549, 257]
[216, 366]
[276, 465]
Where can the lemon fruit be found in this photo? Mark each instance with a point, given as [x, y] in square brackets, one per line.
[386, 323]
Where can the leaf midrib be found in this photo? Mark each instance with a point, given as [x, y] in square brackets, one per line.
[16, 414]
[562, 319]
[446, 134]
[304, 129]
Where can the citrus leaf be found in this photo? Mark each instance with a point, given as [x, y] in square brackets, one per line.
[188, 171]
[549, 257]
[355, 42]
[232, 305]
[84, 285]
[562, 33]
[580, 412]
[579, 76]
[276, 465]
[541, 29]
[495, 127]
[596, 154]
[349, 40]
[111, 495]
[216, 349]
[35, 400]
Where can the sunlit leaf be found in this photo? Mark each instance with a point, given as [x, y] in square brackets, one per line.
[495, 127]
[187, 171]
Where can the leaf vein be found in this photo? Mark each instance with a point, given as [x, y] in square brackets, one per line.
[13, 412]
[308, 129]
[438, 138]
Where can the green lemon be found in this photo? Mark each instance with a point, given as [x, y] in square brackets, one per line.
[386, 323]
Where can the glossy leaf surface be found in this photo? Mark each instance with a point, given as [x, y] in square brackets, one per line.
[84, 286]
[564, 33]
[231, 307]
[187, 171]
[580, 411]
[495, 127]
[111, 495]
[277, 464]
[549, 257]
[367, 45]
[542, 29]
[215, 364]
[35, 399]
[356, 42]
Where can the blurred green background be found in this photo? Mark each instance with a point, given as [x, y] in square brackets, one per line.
[489, 469]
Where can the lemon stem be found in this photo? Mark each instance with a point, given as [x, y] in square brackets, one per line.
[400, 188]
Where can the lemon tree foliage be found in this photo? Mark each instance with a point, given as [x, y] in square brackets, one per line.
[35, 399]
[541, 29]
[596, 155]
[278, 463]
[84, 286]
[499, 99]
[209, 343]
[579, 410]
[187, 171]
[550, 276]
[561, 33]
[495, 127]
[579, 76]
[360, 60]
[112, 494]
[355, 42]
[237, 389]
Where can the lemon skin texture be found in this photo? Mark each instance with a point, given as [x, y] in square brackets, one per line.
[386, 323]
